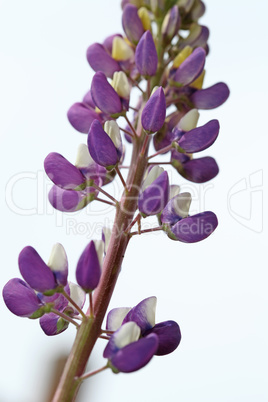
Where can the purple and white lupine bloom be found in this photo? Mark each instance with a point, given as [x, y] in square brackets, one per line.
[143, 315]
[161, 55]
[180, 226]
[154, 192]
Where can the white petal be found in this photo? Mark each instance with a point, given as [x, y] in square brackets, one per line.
[116, 317]
[58, 258]
[112, 129]
[99, 246]
[182, 204]
[128, 333]
[83, 157]
[77, 294]
[189, 121]
[153, 174]
[174, 189]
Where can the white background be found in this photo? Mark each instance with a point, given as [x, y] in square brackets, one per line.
[217, 289]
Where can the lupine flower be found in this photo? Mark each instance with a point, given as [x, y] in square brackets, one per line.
[154, 192]
[187, 229]
[199, 170]
[132, 24]
[51, 323]
[154, 112]
[63, 173]
[146, 56]
[104, 96]
[100, 60]
[88, 270]
[198, 36]
[81, 115]
[200, 138]
[70, 200]
[171, 24]
[105, 147]
[191, 68]
[21, 299]
[168, 332]
[126, 352]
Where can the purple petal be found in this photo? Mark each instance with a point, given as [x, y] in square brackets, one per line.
[143, 314]
[132, 24]
[171, 23]
[101, 147]
[154, 113]
[211, 97]
[146, 56]
[67, 200]
[135, 355]
[169, 337]
[34, 271]
[191, 68]
[62, 172]
[195, 228]
[155, 197]
[20, 299]
[104, 96]
[87, 99]
[200, 170]
[100, 60]
[198, 36]
[200, 138]
[52, 324]
[88, 270]
[126, 334]
[81, 116]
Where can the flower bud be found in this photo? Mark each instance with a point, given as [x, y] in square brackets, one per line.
[70, 200]
[171, 24]
[104, 96]
[58, 264]
[132, 24]
[63, 173]
[191, 68]
[100, 60]
[154, 113]
[146, 56]
[88, 270]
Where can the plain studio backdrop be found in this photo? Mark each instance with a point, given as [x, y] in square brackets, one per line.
[216, 289]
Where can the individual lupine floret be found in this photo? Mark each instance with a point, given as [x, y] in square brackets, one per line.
[100, 60]
[200, 138]
[146, 55]
[198, 170]
[132, 24]
[63, 173]
[104, 96]
[82, 114]
[70, 200]
[180, 226]
[21, 299]
[105, 145]
[51, 323]
[143, 314]
[154, 112]
[171, 24]
[125, 350]
[191, 68]
[154, 192]
[88, 270]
